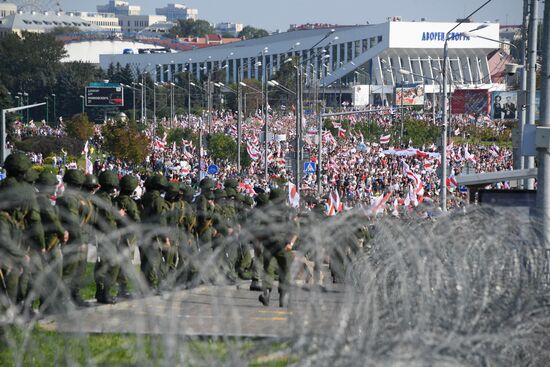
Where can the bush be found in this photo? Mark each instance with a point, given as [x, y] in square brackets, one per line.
[46, 145]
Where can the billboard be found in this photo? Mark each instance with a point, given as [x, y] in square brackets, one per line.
[104, 95]
[470, 101]
[504, 105]
[412, 95]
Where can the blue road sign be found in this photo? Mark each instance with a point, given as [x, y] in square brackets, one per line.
[309, 168]
[212, 169]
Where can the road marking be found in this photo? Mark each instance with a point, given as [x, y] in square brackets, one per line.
[276, 312]
[269, 318]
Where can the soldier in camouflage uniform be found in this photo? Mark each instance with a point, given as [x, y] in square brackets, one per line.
[108, 246]
[277, 233]
[19, 201]
[56, 236]
[12, 257]
[225, 240]
[176, 223]
[206, 232]
[188, 248]
[128, 209]
[154, 209]
[75, 213]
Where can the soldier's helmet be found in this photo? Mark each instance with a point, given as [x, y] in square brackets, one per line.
[209, 195]
[128, 184]
[108, 180]
[158, 182]
[173, 188]
[74, 177]
[247, 200]
[91, 182]
[46, 179]
[187, 192]
[231, 192]
[231, 183]
[30, 176]
[207, 183]
[277, 196]
[262, 199]
[17, 164]
[220, 194]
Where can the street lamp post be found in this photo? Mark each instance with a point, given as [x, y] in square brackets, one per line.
[25, 94]
[83, 106]
[55, 109]
[443, 183]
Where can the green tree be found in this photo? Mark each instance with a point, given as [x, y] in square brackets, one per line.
[179, 134]
[79, 127]
[250, 32]
[125, 142]
[192, 28]
[70, 85]
[30, 63]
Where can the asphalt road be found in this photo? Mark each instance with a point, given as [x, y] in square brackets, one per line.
[232, 311]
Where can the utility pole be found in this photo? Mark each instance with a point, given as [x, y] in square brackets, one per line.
[543, 152]
[298, 127]
[519, 160]
[266, 114]
[320, 139]
[402, 113]
[134, 98]
[532, 79]
[209, 101]
[239, 121]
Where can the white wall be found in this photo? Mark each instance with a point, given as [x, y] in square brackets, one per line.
[90, 51]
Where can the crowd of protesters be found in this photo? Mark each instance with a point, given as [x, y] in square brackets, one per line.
[369, 172]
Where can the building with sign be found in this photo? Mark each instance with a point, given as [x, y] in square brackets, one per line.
[340, 58]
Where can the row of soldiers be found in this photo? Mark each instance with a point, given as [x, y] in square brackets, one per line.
[184, 239]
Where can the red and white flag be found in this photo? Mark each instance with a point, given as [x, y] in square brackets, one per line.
[451, 180]
[385, 139]
[253, 152]
[293, 196]
[379, 203]
[334, 205]
[341, 133]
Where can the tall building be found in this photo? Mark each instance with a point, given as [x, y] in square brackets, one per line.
[7, 9]
[105, 21]
[119, 7]
[173, 12]
[226, 28]
[131, 24]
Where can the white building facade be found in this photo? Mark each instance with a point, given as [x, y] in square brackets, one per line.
[105, 21]
[369, 55]
[131, 24]
[174, 12]
[119, 7]
[7, 9]
[232, 29]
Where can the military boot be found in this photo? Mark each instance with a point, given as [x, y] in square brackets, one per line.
[255, 286]
[77, 299]
[264, 297]
[283, 298]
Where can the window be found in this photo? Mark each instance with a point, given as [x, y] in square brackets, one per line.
[357, 47]
[365, 45]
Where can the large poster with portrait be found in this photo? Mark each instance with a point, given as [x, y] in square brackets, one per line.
[412, 95]
[470, 101]
[504, 105]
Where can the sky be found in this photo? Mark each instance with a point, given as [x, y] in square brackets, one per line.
[279, 14]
